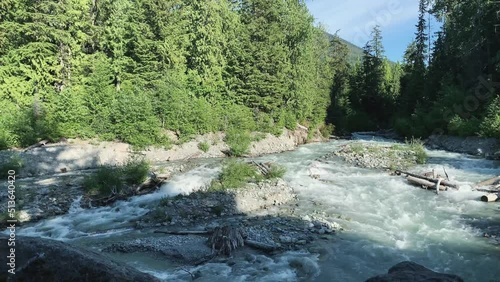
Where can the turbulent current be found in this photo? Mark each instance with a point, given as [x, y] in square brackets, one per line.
[385, 221]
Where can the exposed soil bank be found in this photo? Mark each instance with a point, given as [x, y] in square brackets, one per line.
[74, 155]
[477, 146]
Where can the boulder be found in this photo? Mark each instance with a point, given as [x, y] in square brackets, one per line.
[410, 271]
[40, 259]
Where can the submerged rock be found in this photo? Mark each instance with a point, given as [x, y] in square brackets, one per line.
[39, 259]
[410, 271]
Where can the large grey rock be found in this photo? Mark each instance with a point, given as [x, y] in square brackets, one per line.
[190, 249]
[59, 261]
[408, 271]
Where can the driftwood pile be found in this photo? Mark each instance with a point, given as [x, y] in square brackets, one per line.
[223, 240]
[153, 182]
[264, 168]
[429, 180]
[492, 187]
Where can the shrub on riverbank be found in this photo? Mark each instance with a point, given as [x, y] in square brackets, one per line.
[204, 146]
[417, 146]
[236, 174]
[13, 163]
[113, 180]
[238, 141]
[276, 171]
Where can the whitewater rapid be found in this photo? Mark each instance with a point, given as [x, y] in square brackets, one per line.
[385, 220]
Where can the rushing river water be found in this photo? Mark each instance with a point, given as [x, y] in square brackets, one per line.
[386, 221]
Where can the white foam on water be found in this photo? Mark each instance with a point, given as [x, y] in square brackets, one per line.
[109, 220]
[189, 182]
[390, 220]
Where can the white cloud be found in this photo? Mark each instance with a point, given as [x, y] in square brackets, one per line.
[355, 18]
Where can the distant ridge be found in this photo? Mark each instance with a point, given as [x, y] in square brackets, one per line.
[355, 52]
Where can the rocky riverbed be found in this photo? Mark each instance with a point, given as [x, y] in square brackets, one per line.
[265, 212]
[366, 155]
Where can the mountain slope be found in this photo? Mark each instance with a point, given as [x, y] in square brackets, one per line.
[355, 52]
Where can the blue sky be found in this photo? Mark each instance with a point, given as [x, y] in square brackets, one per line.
[354, 19]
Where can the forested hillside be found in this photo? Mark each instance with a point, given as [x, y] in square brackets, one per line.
[455, 88]
[130, 69]
[448, 86]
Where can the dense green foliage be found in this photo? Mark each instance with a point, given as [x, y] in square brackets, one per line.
[130, 69]
[450, 88]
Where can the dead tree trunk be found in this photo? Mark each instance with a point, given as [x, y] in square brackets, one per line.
[429, 179]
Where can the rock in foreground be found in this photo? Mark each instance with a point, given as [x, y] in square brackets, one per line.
[410, 271]
[49, 260]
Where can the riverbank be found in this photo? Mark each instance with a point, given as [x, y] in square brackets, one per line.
[488, 148]
[74, 154]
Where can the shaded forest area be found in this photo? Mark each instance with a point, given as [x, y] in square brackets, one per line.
[129, 70]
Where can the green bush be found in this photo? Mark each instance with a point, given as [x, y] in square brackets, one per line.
[204, 146]
[462, 127]
[290, 121]
[276, 171]
[258, 136]
[12, 163]
[105, 181]
[7, 139]
[238, 141]
[234, 175]
[490, 127]
[135, 171]
[417, 146]
[327, 130]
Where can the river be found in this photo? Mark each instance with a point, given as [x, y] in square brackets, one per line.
[385, 221]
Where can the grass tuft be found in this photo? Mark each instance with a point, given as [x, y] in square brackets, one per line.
[417, 146]
[204, 146]
[276, 171]
[234, 175]
[109, 180]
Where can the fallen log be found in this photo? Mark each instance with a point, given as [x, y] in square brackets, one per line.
[493, 197]
[443, 182]
[488, 190]
[260, 246]
[36, 145]
[425, 183]
[488, 182]
[188, 232]
[151, 183]
[263, 169]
